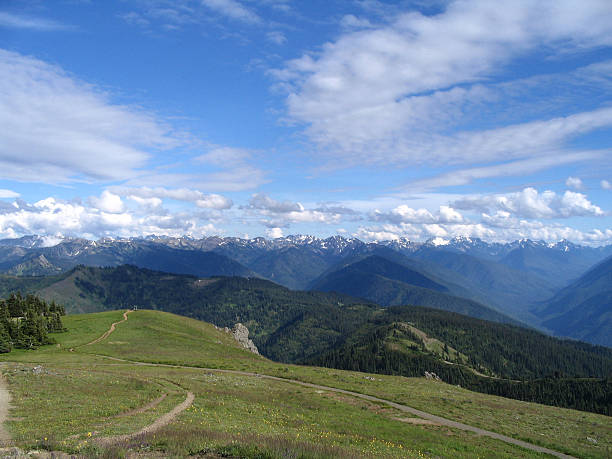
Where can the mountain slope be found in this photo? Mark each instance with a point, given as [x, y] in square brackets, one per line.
[387, 283]
[261, 305]
[144, 254]
[509, 290]
[558, 264]
[583, 309]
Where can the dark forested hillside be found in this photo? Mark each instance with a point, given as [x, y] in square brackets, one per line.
[261, 305]
[483, 356]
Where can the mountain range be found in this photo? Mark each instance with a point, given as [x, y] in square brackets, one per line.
[547, 286]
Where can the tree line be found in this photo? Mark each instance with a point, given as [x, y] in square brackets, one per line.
[26, 321]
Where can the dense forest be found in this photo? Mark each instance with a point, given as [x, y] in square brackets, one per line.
[490, 358]
[25, 322]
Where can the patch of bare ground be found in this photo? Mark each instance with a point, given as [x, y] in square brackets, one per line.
[158, 424]
[110, 330]
[418, 421]
[5, 404]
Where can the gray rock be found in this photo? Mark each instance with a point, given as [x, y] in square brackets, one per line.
[241, 333]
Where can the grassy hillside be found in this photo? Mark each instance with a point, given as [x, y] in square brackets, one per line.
[82, 393]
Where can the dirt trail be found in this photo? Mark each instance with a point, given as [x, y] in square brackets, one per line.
[5, 400]
[168, 417]
[111, 329]
[158, 424]
[144, 408]
[407, 409]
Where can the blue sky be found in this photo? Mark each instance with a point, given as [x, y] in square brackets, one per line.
[363, 118]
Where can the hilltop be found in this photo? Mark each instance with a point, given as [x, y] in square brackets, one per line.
[176, 386]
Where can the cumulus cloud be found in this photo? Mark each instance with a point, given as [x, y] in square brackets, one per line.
[606, 185]
[108, 202]
[510, 231]
[104, 216]
[157, 194]
[529, 203]
[283, 213]
[361, 97]
[574, 182]
[420, 232]
[274, 233]
[58, 129]
[406, 214]
[264, 202]
[214, 201]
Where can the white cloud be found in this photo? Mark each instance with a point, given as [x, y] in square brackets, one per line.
[606, 185]
[361, 96]
[150, 203]
[276, 37]
[274, 233]
[53, 217]
[264, 202]
[108, 202]
[153, 196]
[58, 129]
[406, 214]
[514, 168]
[574, 182]
[8, 194]
[235, 170]
[419, 232]
[529, 203]
[510, 230]
[233, 10]
[350, 21]
[283, 213]
[214, 201]
[32, 23]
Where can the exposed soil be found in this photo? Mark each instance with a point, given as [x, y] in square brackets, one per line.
[5, 404]
[160, 422]
[110, 330]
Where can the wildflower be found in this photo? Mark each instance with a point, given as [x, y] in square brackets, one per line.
[89, 434]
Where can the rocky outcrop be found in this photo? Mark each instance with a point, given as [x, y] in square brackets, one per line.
[241, 333]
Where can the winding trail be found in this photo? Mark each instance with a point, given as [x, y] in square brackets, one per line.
[111, 329]
[143, 409]
[5, 403]
[407, 409]
[157, 424]
[168, 417]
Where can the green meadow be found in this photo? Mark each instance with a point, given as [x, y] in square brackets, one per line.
[86, 395]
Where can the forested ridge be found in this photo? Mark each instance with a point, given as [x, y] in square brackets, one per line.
[491, 358]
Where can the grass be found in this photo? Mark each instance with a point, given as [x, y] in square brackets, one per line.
[83, 391]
